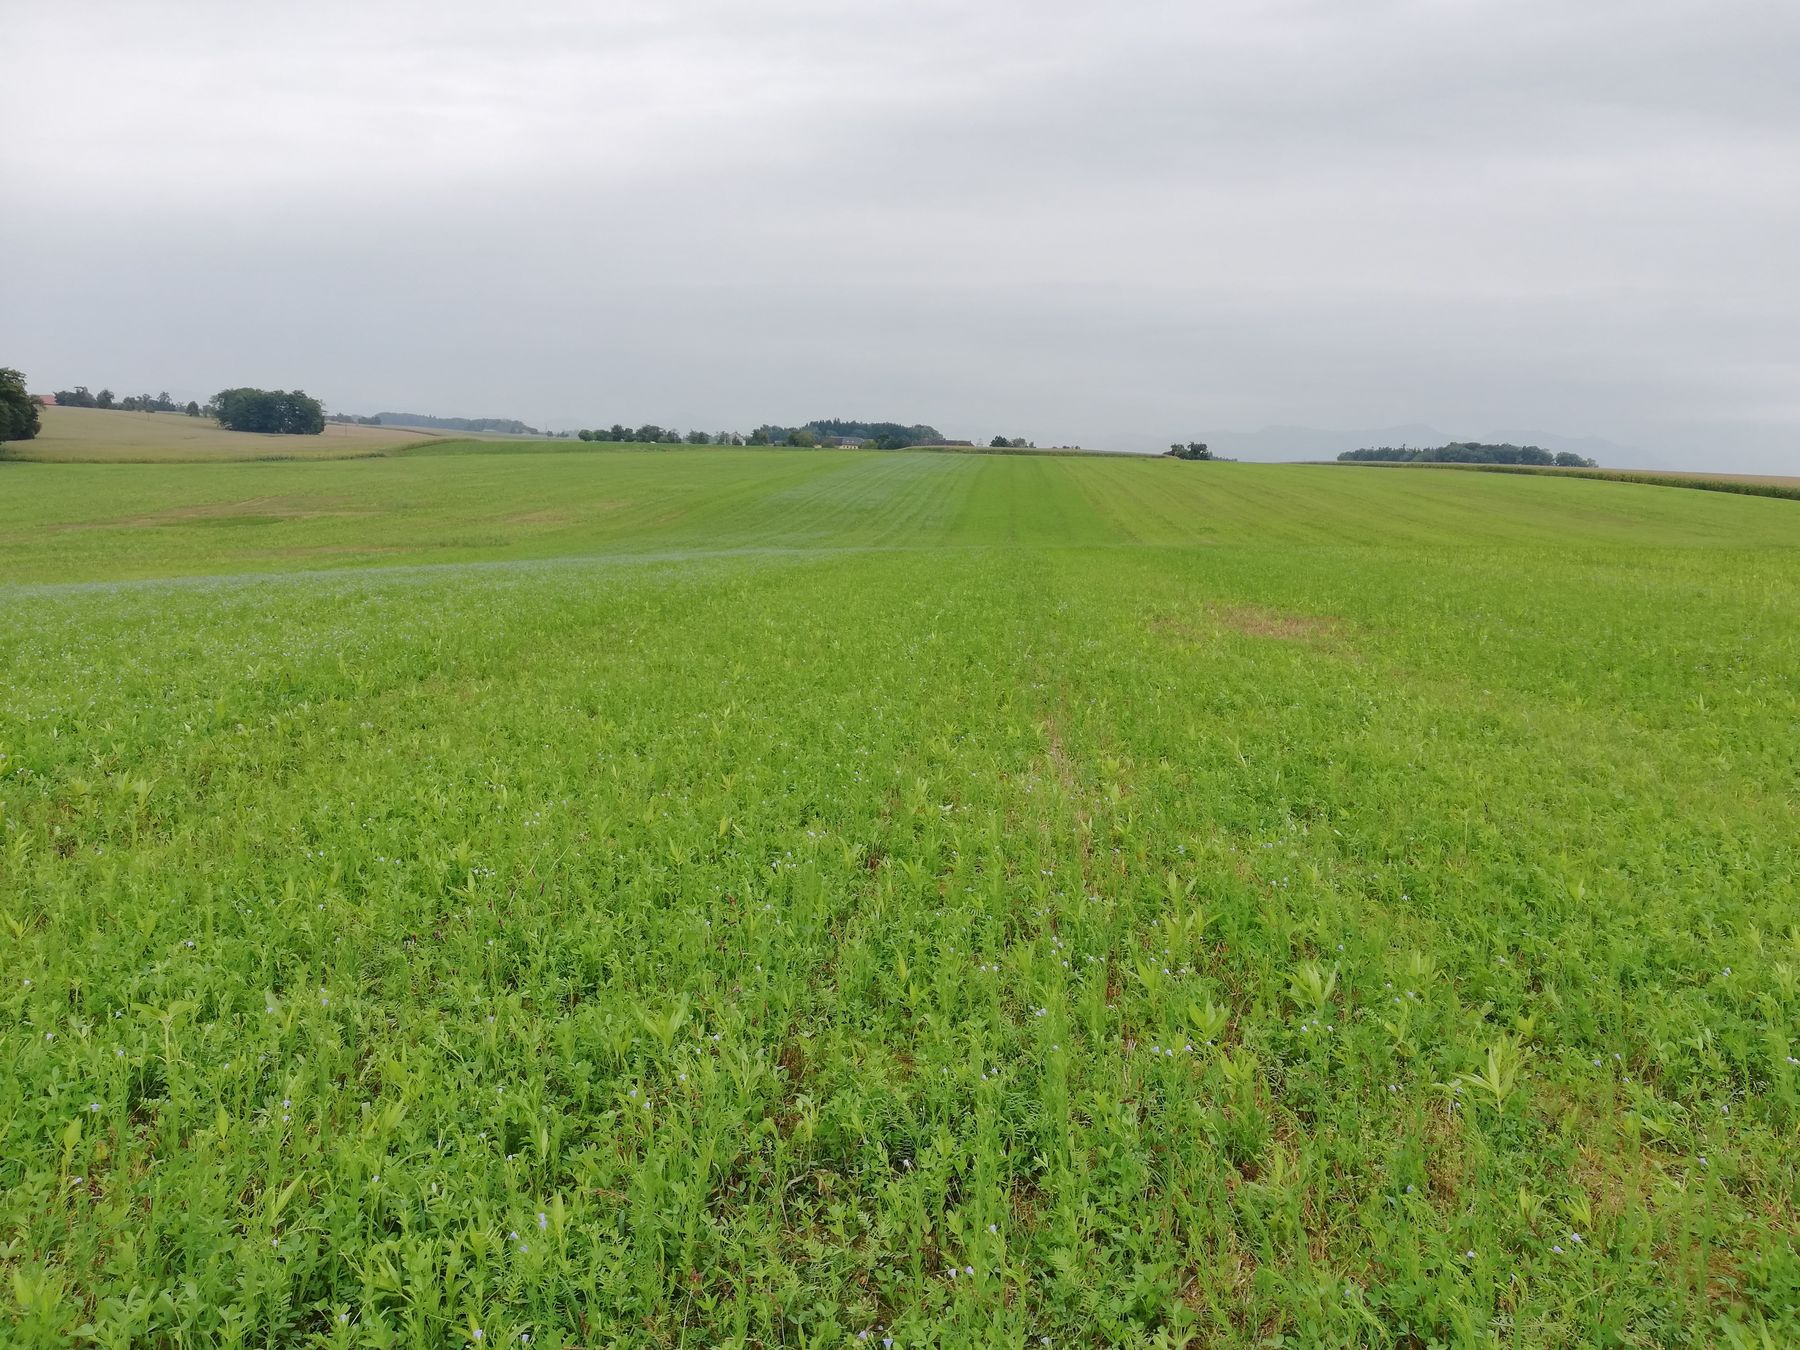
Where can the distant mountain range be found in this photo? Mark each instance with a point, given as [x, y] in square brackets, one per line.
[1289, 443]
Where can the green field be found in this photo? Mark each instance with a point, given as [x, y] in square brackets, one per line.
[705, 898]
[1747, 484]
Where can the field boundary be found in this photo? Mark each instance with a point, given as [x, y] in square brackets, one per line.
[6, 458]
[556, 445]
[1701, 482]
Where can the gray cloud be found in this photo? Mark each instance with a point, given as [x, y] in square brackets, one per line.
[1067, 221]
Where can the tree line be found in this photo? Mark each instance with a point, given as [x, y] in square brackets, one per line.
[281, 412]
[652, 434]
[79, 397]
[509, 425]
[294, 412]
[1468, 452]
[822, 431]
[881, 435]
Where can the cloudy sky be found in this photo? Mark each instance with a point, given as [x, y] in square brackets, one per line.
[1111, 223]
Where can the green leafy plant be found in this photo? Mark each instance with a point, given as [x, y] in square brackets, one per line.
[727, 892]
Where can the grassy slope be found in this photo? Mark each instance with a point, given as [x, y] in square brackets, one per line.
[92, 435]
[949, 797]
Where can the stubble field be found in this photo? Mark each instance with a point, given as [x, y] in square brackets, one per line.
[763, 898]
[109, 436]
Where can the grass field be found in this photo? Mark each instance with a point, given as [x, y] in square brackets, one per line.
[1745, 484]
[760, 898]
[108, 436]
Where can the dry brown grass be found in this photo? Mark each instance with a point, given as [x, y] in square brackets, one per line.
[1779, 480]
[1746, 484]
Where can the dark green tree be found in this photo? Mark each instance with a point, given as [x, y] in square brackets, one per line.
[105, 399]
[193, 410]
[698, 438]
[882, 435]
[1466, 452]
[270, 411]
[18, 409]
[78, 397]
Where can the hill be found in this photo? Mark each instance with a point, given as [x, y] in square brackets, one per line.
[108, 436]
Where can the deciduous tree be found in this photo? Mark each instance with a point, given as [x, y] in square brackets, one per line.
[276, 411]
[18, 409]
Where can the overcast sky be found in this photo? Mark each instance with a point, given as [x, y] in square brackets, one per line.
[1112, 223]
